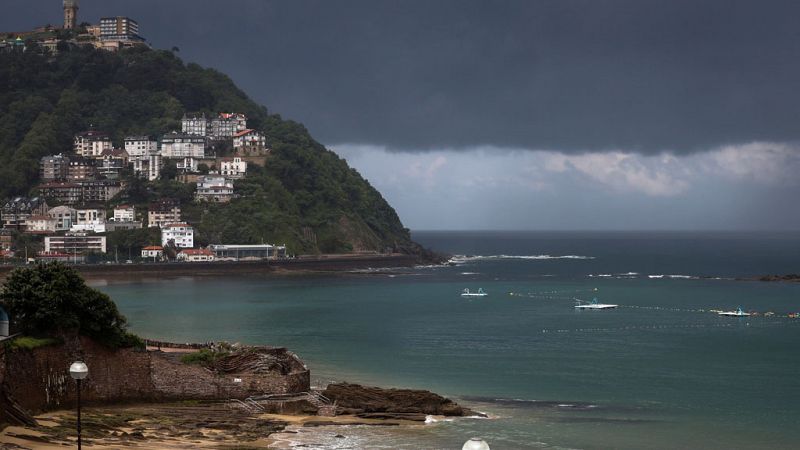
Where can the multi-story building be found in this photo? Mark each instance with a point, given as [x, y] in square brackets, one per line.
[75, 244]
[112, 162]
[81, 169]
[247, 252]
[99, 191]
[149, 167]
[6, 240]
[70, 14]
[119, 29]
[232, 167]
[53, 168]
[140, 147]
[90, 144]
[179, 235]
[249, 142]
[61, 192]
[64, 216]
[15, 212]
[163, 212]
[90, 219]
[40, 224]
[226, 125]
[179, 145]
[124, 213]
[195, 123]
[187, 165]
[214, 189]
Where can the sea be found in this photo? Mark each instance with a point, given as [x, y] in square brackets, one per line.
[663, 370]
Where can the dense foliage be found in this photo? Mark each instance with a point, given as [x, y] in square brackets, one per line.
[49, 300]
[306, 196]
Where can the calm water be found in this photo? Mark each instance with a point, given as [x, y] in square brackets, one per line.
[658, 372]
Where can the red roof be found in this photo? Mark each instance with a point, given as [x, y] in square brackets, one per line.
[153, 247]
[242, 133]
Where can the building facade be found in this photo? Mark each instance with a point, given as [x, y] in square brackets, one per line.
[53, 168]
[124, 213]
[15, 212]
[214, 188]
[154, 252]
[195, 123]
[162, 213]
[70, 14]
[81, 169]
[195, 255]
[180, 235]
[90, 144]
[232, 167]
[180, 145]
[139, 147]
[75, 244]
[64, 216]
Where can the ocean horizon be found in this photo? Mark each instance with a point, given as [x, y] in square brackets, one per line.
[662, 370]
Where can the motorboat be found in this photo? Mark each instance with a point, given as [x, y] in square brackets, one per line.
[480, 293]
[737, 313]
[594, 305]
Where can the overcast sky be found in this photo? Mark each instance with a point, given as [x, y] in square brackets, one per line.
[518, 115]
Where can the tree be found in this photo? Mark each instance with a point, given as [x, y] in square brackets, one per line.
[53, 300]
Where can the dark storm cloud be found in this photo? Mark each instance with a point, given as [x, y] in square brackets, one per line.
[565, 75]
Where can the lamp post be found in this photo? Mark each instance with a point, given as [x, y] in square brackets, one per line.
[78, 371]
[475, 444]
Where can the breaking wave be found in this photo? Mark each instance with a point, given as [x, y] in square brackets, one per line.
[461, 259]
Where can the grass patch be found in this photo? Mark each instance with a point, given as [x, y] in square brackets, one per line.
[30, 343]
[203, 357]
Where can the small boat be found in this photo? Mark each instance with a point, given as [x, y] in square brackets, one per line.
[594, 305]
[737, 313]
[480, 293]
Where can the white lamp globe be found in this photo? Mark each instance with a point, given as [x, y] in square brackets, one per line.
[475, 444]
[78, 370]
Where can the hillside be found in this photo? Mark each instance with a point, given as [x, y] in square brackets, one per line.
[305, 196]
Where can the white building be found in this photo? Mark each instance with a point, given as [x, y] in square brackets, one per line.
[178, 145]
[187, 165]
[232, 167]
[75, 243]
[64, 216]
[195, 123]
[249, 139]
[153, 252]
[181, 235]
[90, 219]
[40, 224]
[139, 147]
[195, 255]
[226, 125]
[124, 213]
[148, 167]
[90, 144]
[214, 188]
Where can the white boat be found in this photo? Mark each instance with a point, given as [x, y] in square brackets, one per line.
[594, 305]
[480, 293]
[737, 313]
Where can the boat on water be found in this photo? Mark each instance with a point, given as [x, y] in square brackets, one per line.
[594, 305]
[737, 313]
[480, 293]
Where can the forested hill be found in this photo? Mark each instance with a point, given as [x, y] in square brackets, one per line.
[305, 196]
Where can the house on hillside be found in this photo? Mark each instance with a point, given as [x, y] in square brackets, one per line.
[232, 167]
[139, 147]
[64, 216]
[89, 219]
[226, 125]
[40, 224]
[249, 143]
[53, 168]
[15, 212]
[195, 255]
[163, 212]
[124, 213]
[214, 188]
[90, 144]
[81, 169]
[180, 235]
[180, 145]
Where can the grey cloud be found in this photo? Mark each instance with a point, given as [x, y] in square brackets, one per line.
[639, 75]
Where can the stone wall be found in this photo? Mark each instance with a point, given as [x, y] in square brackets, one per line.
[40, 381]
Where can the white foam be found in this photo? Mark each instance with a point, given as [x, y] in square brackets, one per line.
[460, 259]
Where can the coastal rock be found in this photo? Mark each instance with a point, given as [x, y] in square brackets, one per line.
[357, 399]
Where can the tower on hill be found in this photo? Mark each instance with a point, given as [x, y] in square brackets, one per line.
[70, 14]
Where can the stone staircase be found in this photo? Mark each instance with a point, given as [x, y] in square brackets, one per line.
[257, 404]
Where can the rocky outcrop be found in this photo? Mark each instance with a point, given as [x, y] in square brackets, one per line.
[406, 404]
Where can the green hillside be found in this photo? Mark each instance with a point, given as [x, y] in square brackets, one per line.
[305, 196]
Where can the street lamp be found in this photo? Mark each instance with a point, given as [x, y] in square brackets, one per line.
[475, 444]
[78, 371]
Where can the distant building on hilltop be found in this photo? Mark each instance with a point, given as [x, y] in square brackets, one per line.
[214, 189]
[194, 123]
[232, 167]
[222, 127]
[70, 14]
